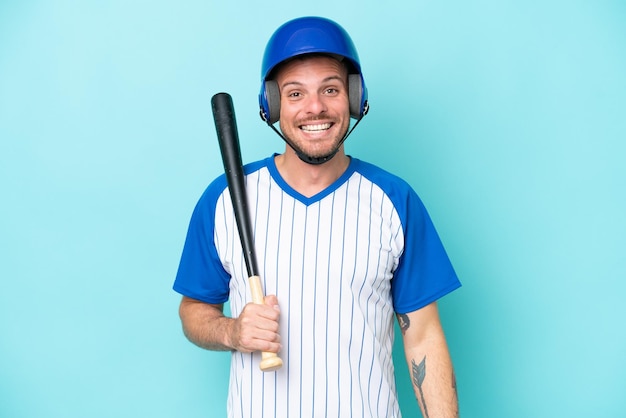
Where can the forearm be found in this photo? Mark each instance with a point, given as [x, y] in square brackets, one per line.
[433, 379]
[430, 366]
[205, 325]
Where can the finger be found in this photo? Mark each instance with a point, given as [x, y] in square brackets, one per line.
[259, 317]
[265, 311]
[271, 344]
[259, 340]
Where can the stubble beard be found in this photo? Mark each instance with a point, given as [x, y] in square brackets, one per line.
[311, 152]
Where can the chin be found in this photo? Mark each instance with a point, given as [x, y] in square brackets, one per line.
[317, 153]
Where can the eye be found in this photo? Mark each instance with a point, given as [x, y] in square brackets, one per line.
[331, 91]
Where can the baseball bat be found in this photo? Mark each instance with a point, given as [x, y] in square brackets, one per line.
[228, 138]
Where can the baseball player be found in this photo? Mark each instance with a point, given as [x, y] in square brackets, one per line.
[343, 247]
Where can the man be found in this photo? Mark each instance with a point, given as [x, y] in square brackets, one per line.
[342, 246]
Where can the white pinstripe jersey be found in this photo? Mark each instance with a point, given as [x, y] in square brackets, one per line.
[341, 263]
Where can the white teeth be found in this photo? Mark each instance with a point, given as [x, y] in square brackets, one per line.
[319, 127]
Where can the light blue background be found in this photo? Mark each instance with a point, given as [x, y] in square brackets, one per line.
[508, 117]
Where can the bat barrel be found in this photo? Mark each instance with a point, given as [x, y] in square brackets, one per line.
[228, 138]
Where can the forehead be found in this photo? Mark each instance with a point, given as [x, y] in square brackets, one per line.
[311, 65]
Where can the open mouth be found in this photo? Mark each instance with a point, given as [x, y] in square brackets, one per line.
[319, 127]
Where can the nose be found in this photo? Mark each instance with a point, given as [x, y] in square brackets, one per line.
[315, 104]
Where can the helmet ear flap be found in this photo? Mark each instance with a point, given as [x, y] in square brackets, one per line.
[355, 95]
[272, 95]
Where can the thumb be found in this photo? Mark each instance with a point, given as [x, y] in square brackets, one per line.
[272, 301]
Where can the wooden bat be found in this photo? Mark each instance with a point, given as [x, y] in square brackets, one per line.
[226, 126]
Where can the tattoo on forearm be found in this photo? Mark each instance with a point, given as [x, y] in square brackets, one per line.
[403, 320]
[454, 385]
[456, 394]
[419, 374]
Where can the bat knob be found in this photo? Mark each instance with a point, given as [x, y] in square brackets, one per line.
[270, 362]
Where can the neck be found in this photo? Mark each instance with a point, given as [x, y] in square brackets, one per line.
[309, 179]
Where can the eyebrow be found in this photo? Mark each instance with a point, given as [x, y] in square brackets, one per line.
[327, 79]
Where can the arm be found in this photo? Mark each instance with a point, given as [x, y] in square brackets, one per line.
[256, 329]
[429, 363]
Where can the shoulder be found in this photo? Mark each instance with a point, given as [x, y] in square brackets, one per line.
[383, 178]
[398, 190]
[219, 185]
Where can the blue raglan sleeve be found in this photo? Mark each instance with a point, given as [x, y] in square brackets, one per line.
[424, 273]
[200, 273]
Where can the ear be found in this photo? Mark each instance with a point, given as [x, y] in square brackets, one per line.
[272, 94]
[355, 94]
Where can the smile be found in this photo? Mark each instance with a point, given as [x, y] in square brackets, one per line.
[316, 128]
